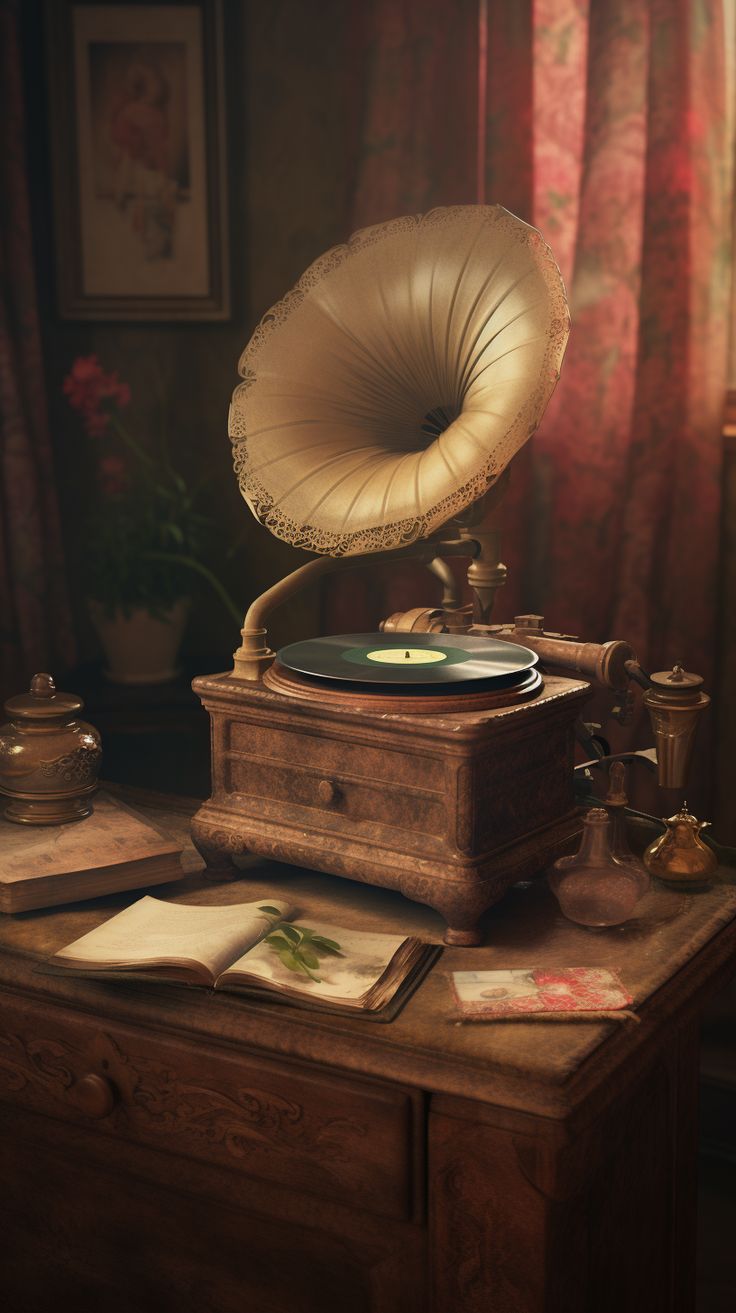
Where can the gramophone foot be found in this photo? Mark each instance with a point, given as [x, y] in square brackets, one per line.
[463, 938]
[226, 871]
[218, 848]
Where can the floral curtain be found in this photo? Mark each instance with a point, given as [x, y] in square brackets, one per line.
[605, 125]
[35, 627]
[632, 186]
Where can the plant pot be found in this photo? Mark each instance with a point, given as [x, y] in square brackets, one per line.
[140, 648]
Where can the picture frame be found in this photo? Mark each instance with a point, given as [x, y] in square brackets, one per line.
[138, 155]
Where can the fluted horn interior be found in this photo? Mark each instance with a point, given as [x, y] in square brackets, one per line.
[393, 384]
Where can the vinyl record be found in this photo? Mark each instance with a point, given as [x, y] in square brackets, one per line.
[419, 660]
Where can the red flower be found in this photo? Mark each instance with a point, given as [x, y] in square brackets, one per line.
[94, 393]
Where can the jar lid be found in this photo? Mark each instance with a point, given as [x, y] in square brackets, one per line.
[677, 680]
[596, 816]
[43, 702]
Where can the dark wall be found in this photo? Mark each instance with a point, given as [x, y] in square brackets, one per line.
[289, 179]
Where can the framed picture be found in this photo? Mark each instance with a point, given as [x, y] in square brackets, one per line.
[138, 157]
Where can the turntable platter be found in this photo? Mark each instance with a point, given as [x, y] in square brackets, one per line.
[418, 660]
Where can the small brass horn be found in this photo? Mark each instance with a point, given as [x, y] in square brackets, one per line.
[674, 700]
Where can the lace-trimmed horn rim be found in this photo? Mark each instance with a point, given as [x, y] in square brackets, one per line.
[392, 385]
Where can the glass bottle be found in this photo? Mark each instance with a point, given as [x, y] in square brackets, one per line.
[592, 888]
[615, 803]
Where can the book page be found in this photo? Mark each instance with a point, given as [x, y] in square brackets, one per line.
[348, 975]
[153, 933]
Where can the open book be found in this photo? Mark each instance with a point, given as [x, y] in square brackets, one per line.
[252, 947]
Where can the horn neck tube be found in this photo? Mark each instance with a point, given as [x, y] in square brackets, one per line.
[254, 655]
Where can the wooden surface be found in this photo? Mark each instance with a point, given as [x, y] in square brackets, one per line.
[165, 1145]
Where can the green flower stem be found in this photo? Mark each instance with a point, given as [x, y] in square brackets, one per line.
[207, 574]
[130, 441]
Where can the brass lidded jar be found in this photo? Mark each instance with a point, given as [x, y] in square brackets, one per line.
[49, 760]
[679, 857]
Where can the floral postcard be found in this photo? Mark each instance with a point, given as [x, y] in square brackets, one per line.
[529, 991]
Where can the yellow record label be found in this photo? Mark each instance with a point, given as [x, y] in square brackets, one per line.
[406, 656]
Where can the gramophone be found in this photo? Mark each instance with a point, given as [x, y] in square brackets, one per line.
[381, 401]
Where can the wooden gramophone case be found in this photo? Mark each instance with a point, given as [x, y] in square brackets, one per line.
[449, 807]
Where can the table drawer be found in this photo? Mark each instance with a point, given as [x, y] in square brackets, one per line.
[349, 1141]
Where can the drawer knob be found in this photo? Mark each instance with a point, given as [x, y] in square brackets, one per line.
[94, 1095]
[327, 792]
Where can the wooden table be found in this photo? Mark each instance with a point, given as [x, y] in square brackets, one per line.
[172, 1149]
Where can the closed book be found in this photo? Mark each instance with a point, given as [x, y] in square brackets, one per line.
[113, 849]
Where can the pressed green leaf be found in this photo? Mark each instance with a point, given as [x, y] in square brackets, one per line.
[308, 972]
[291, 961]
[291, 933]
[329, 945]
[277, 940]
[272, 911]
[310, 959]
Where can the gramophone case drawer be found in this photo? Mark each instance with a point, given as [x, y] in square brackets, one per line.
[352, 1142]
[472, 797]
[268, 744]
[337, 781]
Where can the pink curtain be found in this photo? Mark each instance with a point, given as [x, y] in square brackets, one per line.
[632, 188]
[604, 124]
[35, 628]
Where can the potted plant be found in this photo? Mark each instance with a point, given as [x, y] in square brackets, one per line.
[144, 537]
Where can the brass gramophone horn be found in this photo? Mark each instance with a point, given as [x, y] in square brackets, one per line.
[390, 388]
